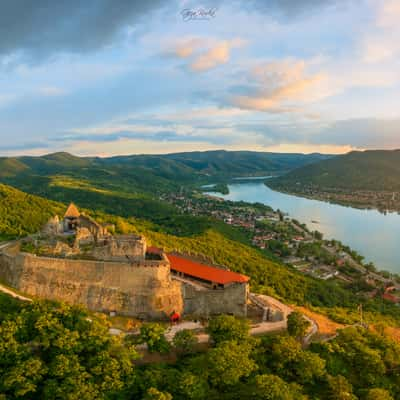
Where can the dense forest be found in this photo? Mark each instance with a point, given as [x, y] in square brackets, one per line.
[145, 173]
[375, 170]
[54, 351]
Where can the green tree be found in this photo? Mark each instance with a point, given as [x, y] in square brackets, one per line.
[192, 386]
[272, 387]
[227, 327]
[185, 341]
[378, 394]
[297, 325]
[289, 361]
[153, 335]
[228, 362]
[340, 388]
[53, 351]
[154, 394]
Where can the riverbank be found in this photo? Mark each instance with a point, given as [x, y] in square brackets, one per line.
[370, 232]
[384, 202]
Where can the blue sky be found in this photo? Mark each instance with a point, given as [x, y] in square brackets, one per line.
[124, 77]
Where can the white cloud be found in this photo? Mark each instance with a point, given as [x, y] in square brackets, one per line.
[280, 86]
[382, 41]
[203, 53]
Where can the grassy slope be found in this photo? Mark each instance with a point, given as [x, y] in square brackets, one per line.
[375, 170]
[22, 213]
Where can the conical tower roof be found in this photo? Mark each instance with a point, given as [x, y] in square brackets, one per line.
[72, 211]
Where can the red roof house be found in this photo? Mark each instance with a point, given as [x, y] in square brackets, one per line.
[207, 273]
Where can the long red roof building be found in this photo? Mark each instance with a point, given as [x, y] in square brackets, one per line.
[204, 272]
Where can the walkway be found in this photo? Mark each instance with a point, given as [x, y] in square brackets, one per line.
[10, 292]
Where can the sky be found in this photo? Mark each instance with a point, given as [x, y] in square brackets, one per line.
[107, 77]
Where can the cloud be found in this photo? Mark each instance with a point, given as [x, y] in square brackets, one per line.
[371, 133]
[156, 137]
[382, 41]
[275, 86]
[42, 28]
[51, 91]
[24, 146]
[204, 53]
[186, 47]
[290, 8]
[282, 9]
[216, 55]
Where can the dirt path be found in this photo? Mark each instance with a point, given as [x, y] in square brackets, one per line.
[13, 294]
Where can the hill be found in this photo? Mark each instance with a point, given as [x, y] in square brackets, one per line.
[365, 179]
[147, 173]
[22, 213]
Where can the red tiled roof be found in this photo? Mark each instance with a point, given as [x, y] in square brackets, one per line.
[390, 297]
[154, 250]
[205, 272]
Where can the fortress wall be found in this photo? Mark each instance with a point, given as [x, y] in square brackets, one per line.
[137, 290]
[230, 300]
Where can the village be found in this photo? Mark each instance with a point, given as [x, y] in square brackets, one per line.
[286, 239]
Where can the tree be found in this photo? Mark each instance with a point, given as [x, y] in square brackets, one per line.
[228, 362]
[272, 387]
[52, 351]
[378, 394]
[185, 341]
[340, 388]
[153, 335]
[192, 386]
[154, 394]
[297, 325]
[289, 361]
[227, 327]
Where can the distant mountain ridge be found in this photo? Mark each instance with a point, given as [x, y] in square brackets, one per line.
[132, 185]
[207, 162]
[146, 172]
[376, 170]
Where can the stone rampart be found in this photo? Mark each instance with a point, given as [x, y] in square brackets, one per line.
[207, 302]
[141, 289]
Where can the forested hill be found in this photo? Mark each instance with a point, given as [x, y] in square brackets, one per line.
[22, 213]
[374, 170]
[221, 162]
[143, 171]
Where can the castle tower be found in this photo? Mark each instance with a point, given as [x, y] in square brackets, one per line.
[71, 218]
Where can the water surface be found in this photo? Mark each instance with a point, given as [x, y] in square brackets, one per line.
[374, 235]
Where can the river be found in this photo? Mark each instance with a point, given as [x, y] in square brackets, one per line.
[374, 235]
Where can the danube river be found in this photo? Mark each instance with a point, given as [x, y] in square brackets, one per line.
[374, 235]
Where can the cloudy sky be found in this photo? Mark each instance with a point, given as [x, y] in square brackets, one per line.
[105, 77]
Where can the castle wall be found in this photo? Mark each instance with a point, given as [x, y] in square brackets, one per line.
[207, 302]
[134, 289]
[121, 248]
[140, 289]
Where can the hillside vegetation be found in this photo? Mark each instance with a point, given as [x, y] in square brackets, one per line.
[54, 351]
[22, 213]
[375, 170]
[146, 173]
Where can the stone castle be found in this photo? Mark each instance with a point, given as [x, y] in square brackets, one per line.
[79, 261]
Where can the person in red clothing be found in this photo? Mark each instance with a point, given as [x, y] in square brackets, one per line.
[175, 317]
